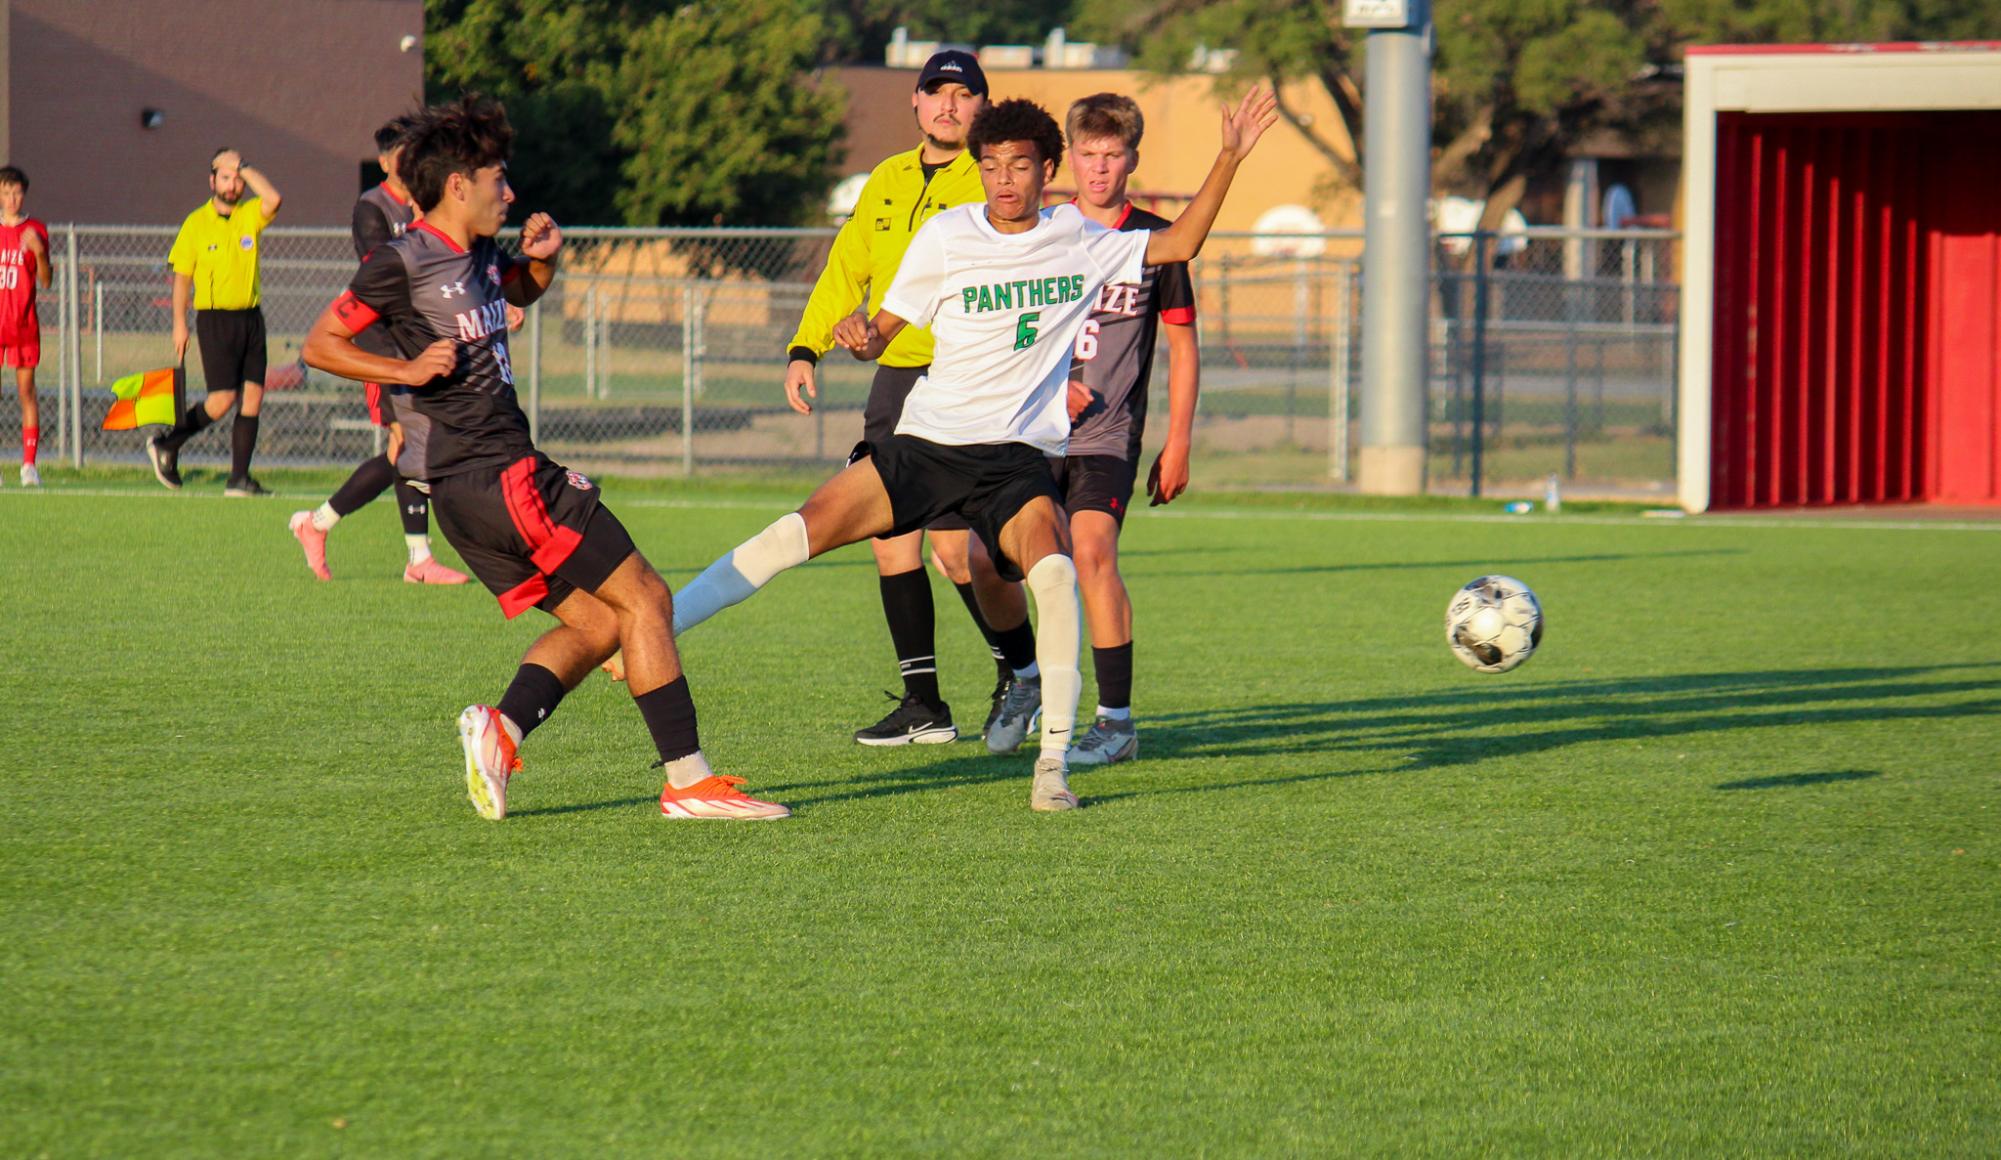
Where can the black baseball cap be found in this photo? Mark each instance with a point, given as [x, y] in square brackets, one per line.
[955, 66]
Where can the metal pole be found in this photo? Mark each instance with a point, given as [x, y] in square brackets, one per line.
[1479, 357]
[1396, 187]
[604, 346]
[97, 322]
[1570, 381]
[1337, 408]
[535, 372]
[689, 330]
[591, 342]
[75, 360]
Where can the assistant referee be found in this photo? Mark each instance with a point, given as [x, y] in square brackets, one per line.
[215, 260]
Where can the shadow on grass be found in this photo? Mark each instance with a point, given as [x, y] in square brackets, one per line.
[1443, 730]
[1475, 567]
[1450, 729]
[1789, 780]
[581, 807]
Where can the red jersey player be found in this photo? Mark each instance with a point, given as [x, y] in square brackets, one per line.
[24, 263]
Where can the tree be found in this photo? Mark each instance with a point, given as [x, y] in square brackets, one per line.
[647, 112]
[1516, 83]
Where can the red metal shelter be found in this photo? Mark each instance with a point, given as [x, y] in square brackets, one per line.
[1843, 312]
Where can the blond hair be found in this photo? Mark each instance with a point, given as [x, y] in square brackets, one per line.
[1105, 115]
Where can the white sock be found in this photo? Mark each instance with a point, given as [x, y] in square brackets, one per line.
[1125, 714]
[420, 548]
[324, 517]
[683, 772]
[743, 570]
[1033, 670]
[1053, 580]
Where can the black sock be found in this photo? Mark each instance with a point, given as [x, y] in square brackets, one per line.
[415, 507]
[1001, 666]
[670, 716]
[1115, 675]
[913, 624]
[191, 424]
[242, 442]
[1017, 645]
[368, 481]
[533, 695]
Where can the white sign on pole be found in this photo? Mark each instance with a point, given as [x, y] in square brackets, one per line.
[1375, 13]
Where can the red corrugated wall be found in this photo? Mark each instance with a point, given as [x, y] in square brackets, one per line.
[1856, 258]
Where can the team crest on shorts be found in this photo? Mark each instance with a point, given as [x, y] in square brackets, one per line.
[493, 273]
[579, 480]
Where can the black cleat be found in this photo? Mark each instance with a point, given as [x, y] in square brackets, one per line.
[912, 722]
[245, 488]
[999, 697]
[166, 464]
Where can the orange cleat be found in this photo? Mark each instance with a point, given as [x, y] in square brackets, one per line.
[717, 797]
[429, 571]
[314, 541]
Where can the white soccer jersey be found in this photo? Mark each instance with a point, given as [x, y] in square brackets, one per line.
[1005, 310]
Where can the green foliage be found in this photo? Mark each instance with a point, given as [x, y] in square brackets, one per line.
[717, 120]
[1713, 874]
[643, 112]
[1517, 82]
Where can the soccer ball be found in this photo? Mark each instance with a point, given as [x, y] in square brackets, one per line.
[1493, 624]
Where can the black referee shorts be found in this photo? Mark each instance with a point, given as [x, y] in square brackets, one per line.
[532, 531]
[886, 395]
[232, 347]
[985, 485]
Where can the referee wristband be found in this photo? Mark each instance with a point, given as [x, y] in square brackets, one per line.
[803, 354]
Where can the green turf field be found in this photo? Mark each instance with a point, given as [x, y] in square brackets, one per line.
[1715, 873]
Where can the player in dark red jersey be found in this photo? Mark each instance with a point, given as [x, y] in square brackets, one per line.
[535, 534]
[24, 265]
[380, 215]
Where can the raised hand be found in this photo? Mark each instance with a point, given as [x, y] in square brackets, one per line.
[436, 359]
[1248, 121]
[540, 237]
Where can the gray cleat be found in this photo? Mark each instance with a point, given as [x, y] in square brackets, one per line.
[1107, 742]
[1051, 791]
[1018, 712]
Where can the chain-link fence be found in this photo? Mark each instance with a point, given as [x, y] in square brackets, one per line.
[662, 351]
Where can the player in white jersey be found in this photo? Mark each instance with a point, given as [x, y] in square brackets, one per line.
[1005, 287]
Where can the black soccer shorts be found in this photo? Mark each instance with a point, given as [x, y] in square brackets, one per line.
[532, 531]
[985, 484]
[886, 395]
[232, 347]
[1097, 483]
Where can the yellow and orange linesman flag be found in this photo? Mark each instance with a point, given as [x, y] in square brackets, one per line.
[147, 397]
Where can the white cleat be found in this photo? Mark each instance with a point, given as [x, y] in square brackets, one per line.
[1051, 791]
[490, 760]
[31, 476]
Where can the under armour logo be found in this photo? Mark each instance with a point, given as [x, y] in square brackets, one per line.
[451, 288]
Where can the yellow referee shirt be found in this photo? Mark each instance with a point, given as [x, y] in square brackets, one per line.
[220, 254]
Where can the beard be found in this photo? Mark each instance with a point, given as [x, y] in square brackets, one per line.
[229, 199]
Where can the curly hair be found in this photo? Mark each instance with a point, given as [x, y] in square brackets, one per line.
[1016, 120]
[462, 137]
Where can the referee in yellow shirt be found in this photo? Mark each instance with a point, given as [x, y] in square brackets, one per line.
[215, 261]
